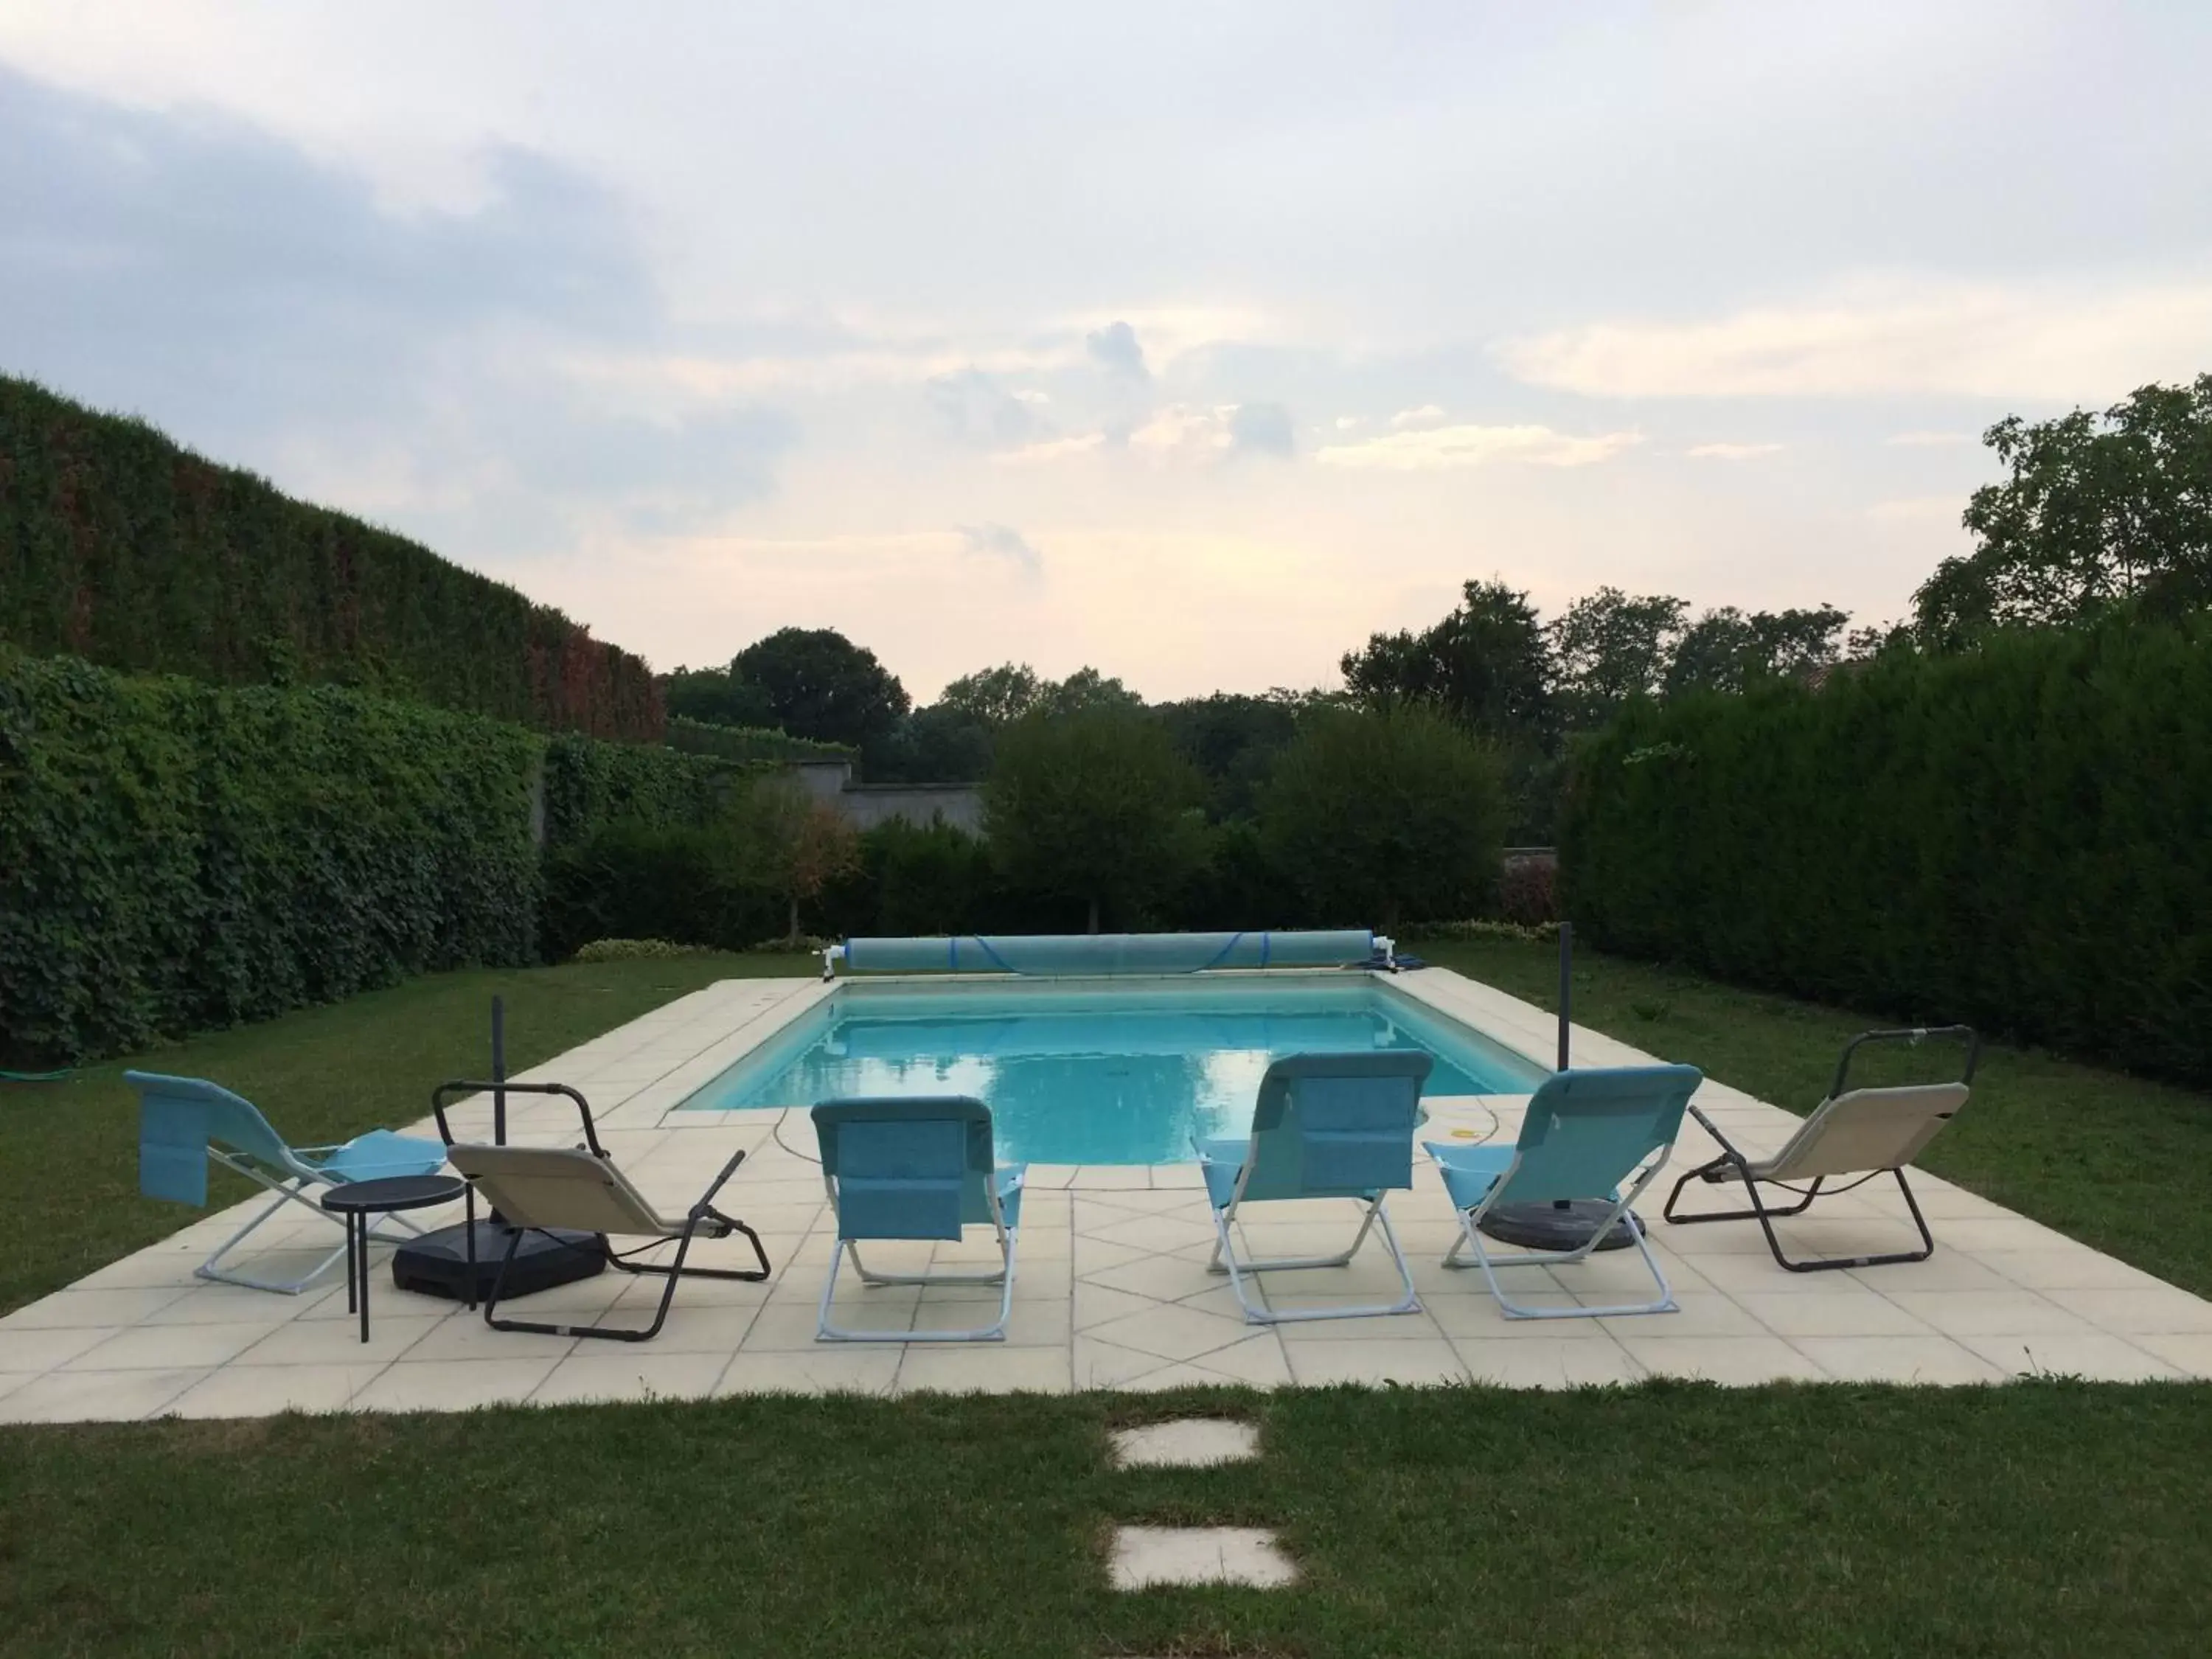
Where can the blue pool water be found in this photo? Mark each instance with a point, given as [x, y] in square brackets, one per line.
[1121, 1075]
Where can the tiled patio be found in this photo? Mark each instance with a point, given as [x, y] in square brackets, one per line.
[1112, 1290]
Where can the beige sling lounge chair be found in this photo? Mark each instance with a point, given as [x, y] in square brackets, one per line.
[580, 1189]
[1865, 1131]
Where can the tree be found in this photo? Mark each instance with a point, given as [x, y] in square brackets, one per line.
[793, 845]
[1086, 687]
[1233, 740]
[993, 696]
[941, 744]
[1381, 815]
[1488, 663]
[817, 684]
[2097, 512]
[712, 694]
[1726, 650]
[1610, 646]
[1095, 806]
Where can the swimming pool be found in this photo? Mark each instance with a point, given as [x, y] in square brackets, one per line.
[1112, 1073]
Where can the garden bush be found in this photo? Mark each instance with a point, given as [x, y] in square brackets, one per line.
[119, 546]
[176, 856]
[1378, 818]
[2014, 838]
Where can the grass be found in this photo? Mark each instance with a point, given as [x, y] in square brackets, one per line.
[2119, 1163]
[2040, 1518]
[68, 1178]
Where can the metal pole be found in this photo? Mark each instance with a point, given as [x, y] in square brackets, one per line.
[1566, 986]
[499, 1069]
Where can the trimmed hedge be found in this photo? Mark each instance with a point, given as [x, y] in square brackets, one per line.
[750, 742]
[2021, 837]
[591, 786]
[120, 546]
[684, 884]
[176, 856]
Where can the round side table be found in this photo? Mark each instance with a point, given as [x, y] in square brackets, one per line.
[359, 1202]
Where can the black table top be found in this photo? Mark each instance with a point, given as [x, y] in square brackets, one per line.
[394, 1193]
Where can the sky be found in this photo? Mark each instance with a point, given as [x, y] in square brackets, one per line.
[1193, 343]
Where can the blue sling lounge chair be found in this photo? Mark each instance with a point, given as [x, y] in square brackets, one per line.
[186, 1123]
[1327, 1126]
[916, 1168]
[1586, 1135]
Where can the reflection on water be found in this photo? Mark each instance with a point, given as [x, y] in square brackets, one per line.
[1090, 1085]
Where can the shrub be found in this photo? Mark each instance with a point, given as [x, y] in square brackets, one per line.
[2014, 837]
[176, 856]
[1529, 890]
[119, 546]
[636, 950]
[1094, 808]
[1379, 817]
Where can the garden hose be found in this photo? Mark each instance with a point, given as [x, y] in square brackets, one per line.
[34, 1076]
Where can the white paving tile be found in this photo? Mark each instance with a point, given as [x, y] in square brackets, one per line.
[1146, 1556]
[1185, 1443]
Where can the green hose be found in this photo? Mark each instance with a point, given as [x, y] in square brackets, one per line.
[34, 1076]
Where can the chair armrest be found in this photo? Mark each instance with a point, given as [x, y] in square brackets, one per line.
[720, 1182]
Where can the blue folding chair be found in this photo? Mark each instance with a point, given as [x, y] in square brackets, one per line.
[916, 1168]
[1587, 1134]
[1327, 1126]
[186, 1123]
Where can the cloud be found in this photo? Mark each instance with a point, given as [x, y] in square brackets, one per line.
[1181, 432]
[998, 541]
[1930, 440]
[1261, 429]
[1732, 452]
[265, 307]
[1443, 448]
[1418, 420]
[1051, 449]
[972, 406]
[1891, 339]
[1349, 422]
[1116, 348]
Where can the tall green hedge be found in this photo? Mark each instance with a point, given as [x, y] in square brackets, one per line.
[120, 546]
[591, 787]
[2019, 837]
[176, 856]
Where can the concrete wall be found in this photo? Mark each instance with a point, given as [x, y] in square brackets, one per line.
[959, 805]
[867, 805]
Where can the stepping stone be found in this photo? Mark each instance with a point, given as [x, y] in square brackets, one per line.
[1144, 1556]
[1186, 1443]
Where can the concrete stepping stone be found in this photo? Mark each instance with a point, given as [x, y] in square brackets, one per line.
[1186, 1443]
[1144, 1556]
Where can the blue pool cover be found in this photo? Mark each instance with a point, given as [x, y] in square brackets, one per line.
[1110, 953]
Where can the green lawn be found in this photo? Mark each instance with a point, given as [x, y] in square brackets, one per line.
[2110, 1159]
[69, 1151]
[2040, 1518]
